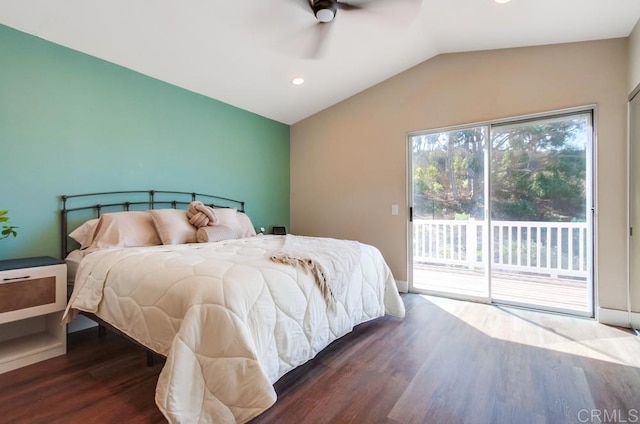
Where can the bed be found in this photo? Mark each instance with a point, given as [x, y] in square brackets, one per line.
[232, 315]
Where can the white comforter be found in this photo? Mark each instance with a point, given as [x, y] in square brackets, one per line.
[230, 321]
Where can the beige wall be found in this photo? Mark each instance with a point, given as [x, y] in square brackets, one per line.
[634, 57]
[348, 162]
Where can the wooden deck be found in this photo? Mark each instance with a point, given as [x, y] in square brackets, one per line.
[537, 291]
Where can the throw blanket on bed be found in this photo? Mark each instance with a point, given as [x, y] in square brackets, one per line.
[330, 261]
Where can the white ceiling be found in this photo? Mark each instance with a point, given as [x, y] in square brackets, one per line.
[245, 52]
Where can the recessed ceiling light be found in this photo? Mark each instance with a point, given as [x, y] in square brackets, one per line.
[502, 1]
[297, 81]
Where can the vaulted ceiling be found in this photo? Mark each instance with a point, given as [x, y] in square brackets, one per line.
[246, 52]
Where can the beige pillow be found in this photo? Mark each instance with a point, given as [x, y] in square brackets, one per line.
[229, 218]
[173, 226]
[84, 233]
[215, 233]
[124, 229]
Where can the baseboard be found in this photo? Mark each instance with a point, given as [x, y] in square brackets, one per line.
[618, 318]
[403, 286]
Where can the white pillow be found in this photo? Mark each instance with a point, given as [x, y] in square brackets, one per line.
[215, 233]
[229, 218]
[173, 226]
[246, 226]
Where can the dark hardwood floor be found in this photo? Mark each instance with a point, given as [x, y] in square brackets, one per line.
[446, 362]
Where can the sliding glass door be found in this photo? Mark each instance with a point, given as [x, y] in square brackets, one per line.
[502, 212]
[449, 191]
[541, 231]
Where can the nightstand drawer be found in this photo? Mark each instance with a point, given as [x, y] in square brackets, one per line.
[28, 293]
[34, 291]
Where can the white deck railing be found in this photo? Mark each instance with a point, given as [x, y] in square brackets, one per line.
[550, 248]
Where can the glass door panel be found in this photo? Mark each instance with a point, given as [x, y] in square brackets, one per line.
[448, 201]
[540, 213]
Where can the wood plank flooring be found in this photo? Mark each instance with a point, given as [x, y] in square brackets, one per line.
[446, 362]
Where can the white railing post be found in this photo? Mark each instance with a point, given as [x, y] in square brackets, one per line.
[472, 243]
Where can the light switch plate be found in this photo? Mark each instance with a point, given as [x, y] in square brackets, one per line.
[394, 209]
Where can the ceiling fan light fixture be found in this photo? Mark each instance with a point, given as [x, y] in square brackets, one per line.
[325, 10]
[325, 15]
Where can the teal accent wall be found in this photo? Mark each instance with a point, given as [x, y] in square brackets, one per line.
[71, 123]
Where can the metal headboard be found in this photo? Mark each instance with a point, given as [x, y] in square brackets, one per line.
[111, 200]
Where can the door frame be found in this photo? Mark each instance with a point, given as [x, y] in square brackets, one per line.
[590, 212]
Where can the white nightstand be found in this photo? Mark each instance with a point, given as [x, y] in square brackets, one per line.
[33, 295]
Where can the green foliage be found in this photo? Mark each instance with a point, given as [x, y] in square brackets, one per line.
[524, 209]
[7, 230]
[538, 172]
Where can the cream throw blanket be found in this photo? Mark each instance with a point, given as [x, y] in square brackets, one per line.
[330, 261]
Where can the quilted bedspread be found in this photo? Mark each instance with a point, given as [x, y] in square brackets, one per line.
[229, 320]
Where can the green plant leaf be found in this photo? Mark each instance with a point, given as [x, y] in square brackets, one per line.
[8, 231]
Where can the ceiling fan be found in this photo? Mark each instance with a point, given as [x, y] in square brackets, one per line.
[325, 12]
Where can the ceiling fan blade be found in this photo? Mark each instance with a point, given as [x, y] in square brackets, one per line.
[399, 12]
[367, 4]
[320, 40]
[302, 4]
[348, 6]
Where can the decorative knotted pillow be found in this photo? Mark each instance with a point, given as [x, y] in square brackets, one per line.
[201, 215]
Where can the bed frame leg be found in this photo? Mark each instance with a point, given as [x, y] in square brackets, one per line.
[102, 331]
[150, 359]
